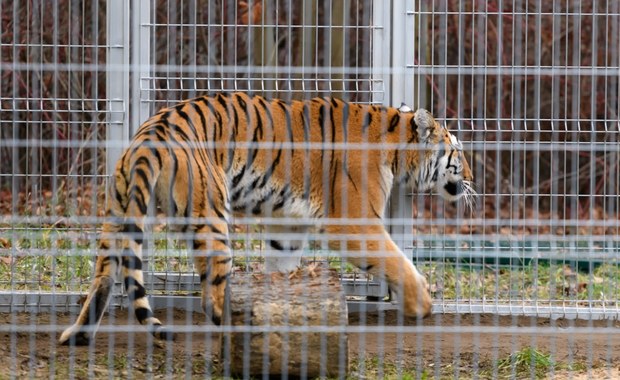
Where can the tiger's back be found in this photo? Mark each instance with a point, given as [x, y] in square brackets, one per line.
[278, 157]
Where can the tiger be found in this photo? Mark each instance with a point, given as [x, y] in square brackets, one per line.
[323, 161]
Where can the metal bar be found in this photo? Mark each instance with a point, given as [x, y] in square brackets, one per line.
[117, 79]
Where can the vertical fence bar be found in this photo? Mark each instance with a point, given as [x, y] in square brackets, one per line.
[141, 88]
[381, 19]
[402, 90]
[118, 79]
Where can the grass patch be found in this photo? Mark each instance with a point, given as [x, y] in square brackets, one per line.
[542, 283]
[524, 364]
[61, 259]
[527, 362]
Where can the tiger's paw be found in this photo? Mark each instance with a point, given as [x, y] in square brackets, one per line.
[73, 336]
[415, 299]
[212, 312]
[162, 333]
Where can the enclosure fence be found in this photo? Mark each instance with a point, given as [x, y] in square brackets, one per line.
[530, 87]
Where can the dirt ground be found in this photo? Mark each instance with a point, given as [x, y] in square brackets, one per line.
[467, 346]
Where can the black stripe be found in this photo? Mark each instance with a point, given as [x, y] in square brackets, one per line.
[435, 174]
[413, 124]
[374, 210]
[305, 117]
[218, 117]
[142, 314]
[178, 130]
[394, 121]
[105, 261]
[322, 121]
[282, 196]
[203, 277]
[333, 126]
[287, 117]
[131, 261]
[188, 121]
[156, 154]
[236, 121]
[253, 151]
[223, 100]
[218, 280]
[267, 110]
[334, 175]
[144, 162]
[276, 245]
[201, 115]
[257, 209]
[259, 123]
[136, 232]
[352, 181]
[450, 160]
[367, 121]
[345, 121]
[271, 169]
[118, 197]
[136, 196]
[141, 174]
[237, 178]
[244, 106]
[134, 289]
[334, 102]
[173, 178]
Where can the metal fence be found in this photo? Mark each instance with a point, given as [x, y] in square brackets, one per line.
[525, 285]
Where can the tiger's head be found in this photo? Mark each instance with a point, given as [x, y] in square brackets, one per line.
[441, 164]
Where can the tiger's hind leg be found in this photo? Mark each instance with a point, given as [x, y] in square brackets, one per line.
[106, 272]
[133, 279]
[213, 262]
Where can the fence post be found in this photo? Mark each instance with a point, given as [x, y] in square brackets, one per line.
[141, 83]
[117, 80]
[402, 89]
[381, 21]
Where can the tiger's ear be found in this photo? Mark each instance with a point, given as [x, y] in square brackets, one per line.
[404, 108]
[425, 123]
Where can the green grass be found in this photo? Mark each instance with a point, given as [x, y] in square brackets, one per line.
[523, 364]
[62, 259]
[526, 363]
[532, 282]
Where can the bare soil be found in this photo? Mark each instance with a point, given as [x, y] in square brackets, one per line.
[452, 345]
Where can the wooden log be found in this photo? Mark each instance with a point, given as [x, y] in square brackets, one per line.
[289, 319]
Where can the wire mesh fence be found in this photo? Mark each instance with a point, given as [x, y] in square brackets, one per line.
[524, 284]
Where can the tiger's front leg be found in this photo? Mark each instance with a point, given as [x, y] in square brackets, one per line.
[213, 262]
[371, 249]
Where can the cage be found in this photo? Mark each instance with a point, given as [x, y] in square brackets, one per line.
[525, 284]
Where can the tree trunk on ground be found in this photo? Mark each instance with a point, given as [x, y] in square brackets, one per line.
[287, 325]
